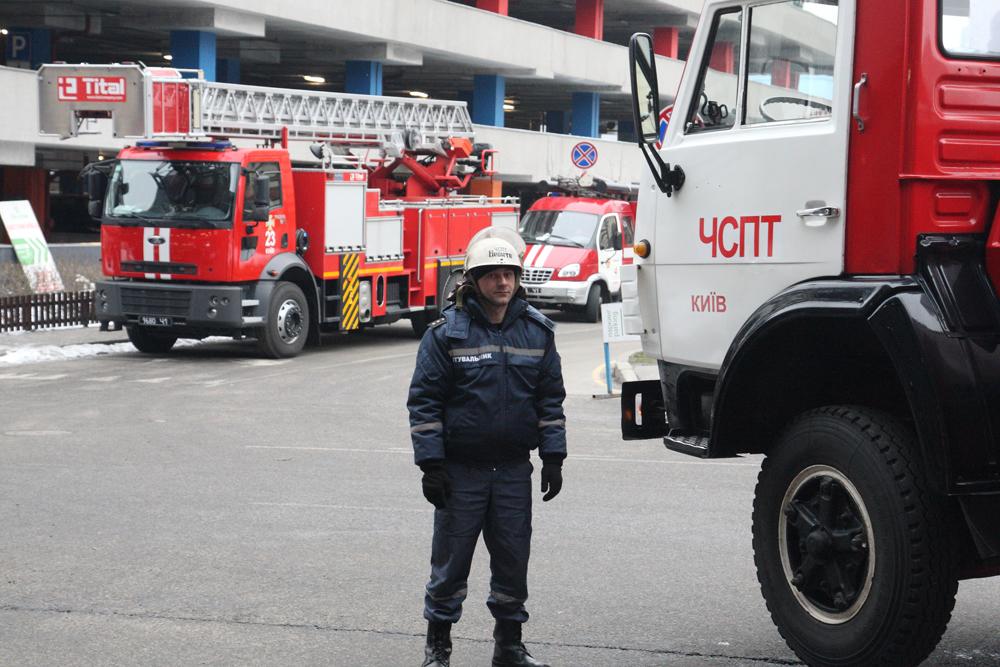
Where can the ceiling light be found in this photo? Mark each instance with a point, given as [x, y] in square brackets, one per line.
[167, 57]
[419, 93]
[3, 31]
[509, 101]
[508, 107]
[313, 78]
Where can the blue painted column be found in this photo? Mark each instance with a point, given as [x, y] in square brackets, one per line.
[467, 97]
[228, 70]
[557, 121]
[363, 77]
[487, 97]
[194, 49]
[586, 114]
[28, 47]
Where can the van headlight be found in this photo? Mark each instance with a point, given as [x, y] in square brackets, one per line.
[569, 271]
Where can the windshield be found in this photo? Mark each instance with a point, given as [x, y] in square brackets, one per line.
[170, 193]
[570, 228]
[971, 28]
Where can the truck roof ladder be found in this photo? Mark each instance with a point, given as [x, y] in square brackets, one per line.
[165, 104]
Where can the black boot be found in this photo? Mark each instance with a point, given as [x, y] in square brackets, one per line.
[509, 651]
[437, 653]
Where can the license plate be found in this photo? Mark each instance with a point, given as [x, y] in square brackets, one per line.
[533, 291]
[155, 321]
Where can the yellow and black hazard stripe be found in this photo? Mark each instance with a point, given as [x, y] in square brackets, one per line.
[349, 318]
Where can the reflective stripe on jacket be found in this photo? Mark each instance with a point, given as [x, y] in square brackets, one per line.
[488, 393]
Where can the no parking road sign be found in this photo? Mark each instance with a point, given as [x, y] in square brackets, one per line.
[584, 155]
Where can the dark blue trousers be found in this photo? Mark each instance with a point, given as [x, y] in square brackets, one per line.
[496, 501]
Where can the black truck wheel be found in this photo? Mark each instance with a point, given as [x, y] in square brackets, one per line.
[420, 319]
[592, 311]
[852, 550]
[148, 341]
[287, 325]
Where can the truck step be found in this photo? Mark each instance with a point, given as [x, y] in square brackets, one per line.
[687, 442]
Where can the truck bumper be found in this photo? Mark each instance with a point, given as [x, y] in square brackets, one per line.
[171, 306]
[559, 292]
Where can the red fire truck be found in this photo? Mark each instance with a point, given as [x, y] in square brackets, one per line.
[817, 274]
[577, 245]
[206, 233]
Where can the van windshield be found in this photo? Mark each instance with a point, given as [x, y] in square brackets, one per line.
[172, 193]
[970, 28]
[571, 228]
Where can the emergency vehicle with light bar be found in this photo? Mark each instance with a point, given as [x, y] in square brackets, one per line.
[577, 246]
[207, 228]
[817, 275]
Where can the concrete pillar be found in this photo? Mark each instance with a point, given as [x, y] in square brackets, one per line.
[557, 122]
[723, 58]
[498, 6]
[586, 114]
[194, 49]
[666, 42]
[28, 47]
[626, 130]
[487, 99]
[228, 70]
[589, 18]
[783, 75]
[364, 77]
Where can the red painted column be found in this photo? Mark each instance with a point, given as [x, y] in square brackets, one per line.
[723, 59]
[666, 42]
[783, 75]
[498, 6]
[589, 18]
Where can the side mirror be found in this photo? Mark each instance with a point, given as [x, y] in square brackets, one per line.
[616, 242]
[97, 186]
[645, 91]
[261, 191]
[646, 112]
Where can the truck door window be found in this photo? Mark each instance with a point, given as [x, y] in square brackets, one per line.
[970, 28]
[714, 107]
[273, 172]
[790, 62]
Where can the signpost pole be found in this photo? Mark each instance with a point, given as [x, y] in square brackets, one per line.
[607, 366]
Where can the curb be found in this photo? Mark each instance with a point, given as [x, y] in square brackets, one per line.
[622, 372]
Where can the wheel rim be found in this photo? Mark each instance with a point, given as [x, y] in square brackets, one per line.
[826, 544]
[289, 321]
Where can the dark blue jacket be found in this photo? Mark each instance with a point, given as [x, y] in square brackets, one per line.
[484, 393]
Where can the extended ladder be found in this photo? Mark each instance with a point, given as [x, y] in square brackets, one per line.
[159, 103]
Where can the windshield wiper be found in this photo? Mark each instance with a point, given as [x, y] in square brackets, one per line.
[556, 236]
[133, 214]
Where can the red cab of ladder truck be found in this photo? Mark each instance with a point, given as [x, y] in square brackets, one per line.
[578, 240]
[208, 229]
[817, 274]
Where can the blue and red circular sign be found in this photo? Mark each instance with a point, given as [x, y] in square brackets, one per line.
[584, 155]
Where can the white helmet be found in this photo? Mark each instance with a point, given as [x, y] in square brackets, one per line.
[506, 233]
[488, 253]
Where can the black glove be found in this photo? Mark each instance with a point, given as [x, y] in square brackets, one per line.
[551, 479]
[436, 485]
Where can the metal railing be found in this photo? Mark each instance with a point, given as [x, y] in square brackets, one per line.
[46, 311]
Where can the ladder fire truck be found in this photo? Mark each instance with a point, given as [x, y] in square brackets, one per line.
[201, 236]
[817, 273]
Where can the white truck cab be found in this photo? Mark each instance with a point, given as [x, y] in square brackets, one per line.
[817, 274]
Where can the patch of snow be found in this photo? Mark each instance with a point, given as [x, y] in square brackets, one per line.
[30, 354]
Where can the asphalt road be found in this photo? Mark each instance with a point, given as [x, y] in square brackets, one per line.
[214, 508]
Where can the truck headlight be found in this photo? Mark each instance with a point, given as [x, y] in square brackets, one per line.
[569, 271]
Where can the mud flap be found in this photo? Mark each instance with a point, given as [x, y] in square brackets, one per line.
[644, 414]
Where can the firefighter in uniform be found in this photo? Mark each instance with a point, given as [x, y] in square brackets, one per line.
[487, 389]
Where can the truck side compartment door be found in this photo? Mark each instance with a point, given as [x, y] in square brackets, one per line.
[762, 134]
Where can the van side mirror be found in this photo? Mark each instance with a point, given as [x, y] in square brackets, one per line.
[97, 186]
[616, 242]
[646, 111]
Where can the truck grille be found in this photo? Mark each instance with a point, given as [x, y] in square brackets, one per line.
[535, 276]
[160, 267]
[143, 301]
